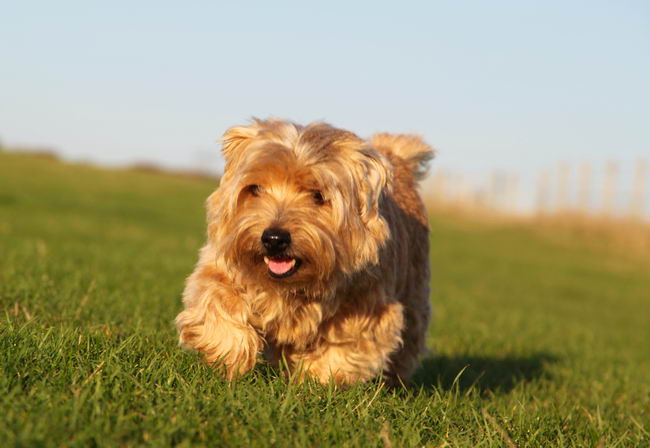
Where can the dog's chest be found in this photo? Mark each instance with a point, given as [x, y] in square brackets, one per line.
[286, 321]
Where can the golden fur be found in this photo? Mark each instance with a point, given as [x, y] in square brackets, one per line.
[358, 304]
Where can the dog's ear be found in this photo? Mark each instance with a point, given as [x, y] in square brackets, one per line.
[374, 175]
[236, 138]
[221, 203]
[373, 178]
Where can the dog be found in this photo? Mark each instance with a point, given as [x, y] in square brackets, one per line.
[317, 255]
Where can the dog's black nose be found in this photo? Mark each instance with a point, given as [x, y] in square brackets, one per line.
[276, 241]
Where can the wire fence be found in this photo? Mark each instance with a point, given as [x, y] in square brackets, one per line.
[616, 190]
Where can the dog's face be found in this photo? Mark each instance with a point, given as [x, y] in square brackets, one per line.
[298, 206]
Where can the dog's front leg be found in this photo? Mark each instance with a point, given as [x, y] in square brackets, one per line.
[355, 348]
[215, 323]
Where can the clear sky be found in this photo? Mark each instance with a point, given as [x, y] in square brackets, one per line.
[491, 84]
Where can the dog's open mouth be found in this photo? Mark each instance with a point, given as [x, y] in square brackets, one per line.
[282, 266]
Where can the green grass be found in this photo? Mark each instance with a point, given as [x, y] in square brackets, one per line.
[537, 343]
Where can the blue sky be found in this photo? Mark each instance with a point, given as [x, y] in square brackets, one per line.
[503, 84]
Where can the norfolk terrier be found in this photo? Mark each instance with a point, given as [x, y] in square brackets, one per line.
[317, 254]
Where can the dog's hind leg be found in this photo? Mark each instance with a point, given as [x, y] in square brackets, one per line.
[417, 314]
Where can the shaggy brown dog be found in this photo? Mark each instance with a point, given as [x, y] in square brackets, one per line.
[317, 253]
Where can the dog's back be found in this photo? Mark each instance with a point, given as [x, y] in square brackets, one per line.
[405, 260]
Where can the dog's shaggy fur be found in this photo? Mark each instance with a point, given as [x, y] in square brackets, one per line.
[317, 253]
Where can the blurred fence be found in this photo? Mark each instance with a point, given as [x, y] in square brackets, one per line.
[611, 190]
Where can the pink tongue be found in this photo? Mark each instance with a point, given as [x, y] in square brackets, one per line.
[280, 266]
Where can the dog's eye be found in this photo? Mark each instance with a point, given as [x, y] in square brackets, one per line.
[318, 197]
[253, 190]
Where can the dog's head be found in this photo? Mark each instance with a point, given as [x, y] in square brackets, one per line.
[298, 206]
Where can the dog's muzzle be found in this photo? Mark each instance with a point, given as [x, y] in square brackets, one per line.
[279, 264]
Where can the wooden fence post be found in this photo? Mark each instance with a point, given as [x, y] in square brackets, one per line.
[438, 189]
[562, 193]
[512, 194]
[584, 187]
[609, 188]
[543, 182]
[463, 194]
[637, 205]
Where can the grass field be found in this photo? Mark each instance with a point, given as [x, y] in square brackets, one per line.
[538, 341]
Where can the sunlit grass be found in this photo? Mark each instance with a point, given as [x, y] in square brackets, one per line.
[536, 342]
